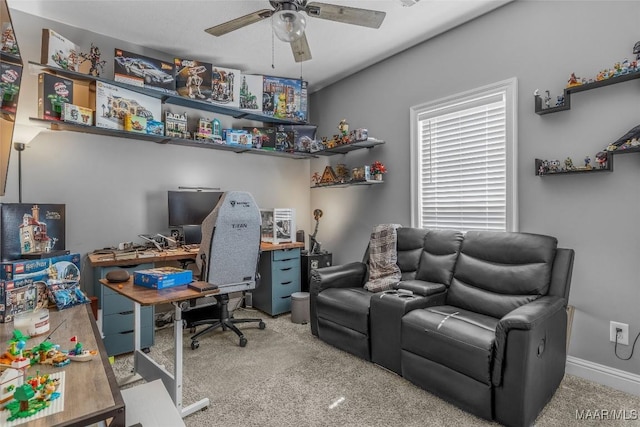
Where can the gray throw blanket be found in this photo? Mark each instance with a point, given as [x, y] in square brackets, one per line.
[384, 272]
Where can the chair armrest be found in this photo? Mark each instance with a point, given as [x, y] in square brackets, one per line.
[338, 276]
[527, 317]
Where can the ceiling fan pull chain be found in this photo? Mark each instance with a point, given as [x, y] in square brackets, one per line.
[273, 50]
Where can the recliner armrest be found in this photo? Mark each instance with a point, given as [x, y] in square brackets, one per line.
[421, 287]
[350, 275]
[526, 317]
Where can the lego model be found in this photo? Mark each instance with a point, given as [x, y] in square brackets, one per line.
[206, 133]
[251, 93]
[93, 57]
[176, 125]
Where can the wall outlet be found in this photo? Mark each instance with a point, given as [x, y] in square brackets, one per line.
[623, 336]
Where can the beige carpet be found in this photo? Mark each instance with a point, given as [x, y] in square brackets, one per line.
[287, 377]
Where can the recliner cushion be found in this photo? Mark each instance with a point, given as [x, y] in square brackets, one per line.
[453, 337]
[348, 307]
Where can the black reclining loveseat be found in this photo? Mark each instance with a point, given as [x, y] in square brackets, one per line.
[478, 319]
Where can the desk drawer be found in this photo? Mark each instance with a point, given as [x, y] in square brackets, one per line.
[115, 303]
[123, 322]
[284, 289]
[282, 254]
[116, 344]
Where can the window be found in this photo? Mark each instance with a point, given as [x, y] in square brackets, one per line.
[463, 168]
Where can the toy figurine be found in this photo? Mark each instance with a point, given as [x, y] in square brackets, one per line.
[573, 81]
[343, 127]
[560, 101]
[316, 178]
[636, 50]
[568, 164]
[94, 57]
[601, 159]
[587, 163]
[547, 99]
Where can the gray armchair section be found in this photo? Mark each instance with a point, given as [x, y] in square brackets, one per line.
[483, 324]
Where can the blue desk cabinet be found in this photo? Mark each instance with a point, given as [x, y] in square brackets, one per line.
[117, 317]
[279, 278]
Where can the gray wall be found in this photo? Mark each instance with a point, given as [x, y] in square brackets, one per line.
[114, 188]
[540, 43]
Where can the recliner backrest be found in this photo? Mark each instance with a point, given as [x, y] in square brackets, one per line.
[410, 245]
[496, 272]
[439, 255]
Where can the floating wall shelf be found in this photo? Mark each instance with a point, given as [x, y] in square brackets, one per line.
[580, 88]
[609, 168]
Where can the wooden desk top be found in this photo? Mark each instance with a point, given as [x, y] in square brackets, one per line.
[108, 260]
[91, 391]
[148, 296]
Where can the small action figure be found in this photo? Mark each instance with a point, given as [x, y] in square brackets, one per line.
[547, 99]
[94, 57]
[560, 101]
[573, 81]
[587, 163]
[343, 127]
[601, 159]
[568, 164]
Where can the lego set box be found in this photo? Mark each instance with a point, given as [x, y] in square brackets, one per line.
[10, 76]
[53, 93]
[237, 137]
[31, 230]
[263, 138]
[139, 70]
[284, 98]
[25, 284]
[113, 103]
[162, 277]
[303, 136]
[251, 93]
[59, 52]
[278, 225]
[225, 86]
[193, 78]
[76, 114]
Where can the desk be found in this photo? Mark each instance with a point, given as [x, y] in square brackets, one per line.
[91, 392]
[143, 364]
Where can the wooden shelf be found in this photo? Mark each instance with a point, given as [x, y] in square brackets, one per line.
[349, 184]
[166, 97]
[8, 57]
[608, 168]
[346, 148]
[581, 88]
[160, 139]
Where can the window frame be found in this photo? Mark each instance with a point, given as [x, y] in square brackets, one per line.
[510, 88]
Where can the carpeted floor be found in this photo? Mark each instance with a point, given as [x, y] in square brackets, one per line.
[287, 377]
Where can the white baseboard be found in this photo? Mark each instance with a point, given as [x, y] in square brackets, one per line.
[601, 374]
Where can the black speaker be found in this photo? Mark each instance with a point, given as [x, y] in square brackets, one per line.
[300, 236]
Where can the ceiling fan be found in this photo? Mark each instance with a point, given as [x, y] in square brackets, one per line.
[288, 23]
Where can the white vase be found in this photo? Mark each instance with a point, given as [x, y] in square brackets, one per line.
[377, 177]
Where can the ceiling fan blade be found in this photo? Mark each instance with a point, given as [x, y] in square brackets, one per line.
[345, 14]
[243, 21]
[300, 49]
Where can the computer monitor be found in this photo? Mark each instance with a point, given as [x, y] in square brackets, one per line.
[191, 207]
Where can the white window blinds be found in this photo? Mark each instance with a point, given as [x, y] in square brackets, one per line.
[462, 163]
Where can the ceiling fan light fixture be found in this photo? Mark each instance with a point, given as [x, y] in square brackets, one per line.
[288, 25]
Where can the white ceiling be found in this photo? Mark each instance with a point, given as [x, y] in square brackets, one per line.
[177, 28]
